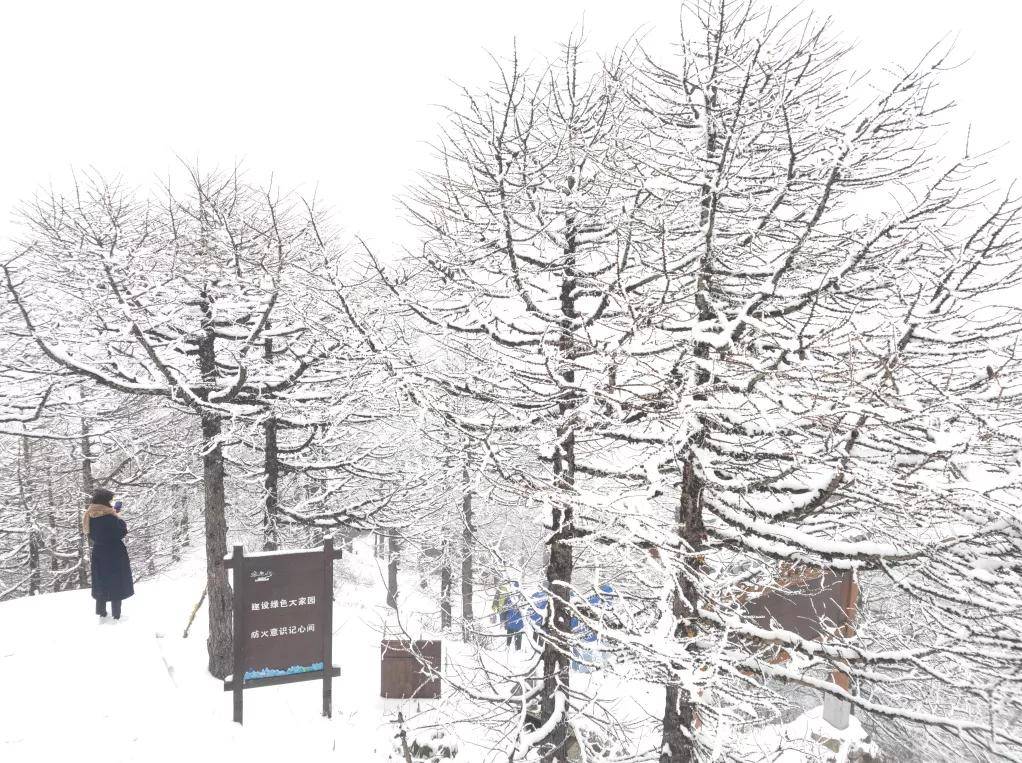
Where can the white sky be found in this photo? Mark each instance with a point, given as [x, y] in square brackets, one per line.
[344, 93]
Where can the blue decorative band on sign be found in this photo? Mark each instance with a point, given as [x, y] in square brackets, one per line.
[271, 672]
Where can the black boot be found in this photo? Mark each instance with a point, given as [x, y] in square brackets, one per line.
[100, 607]
[116, 605]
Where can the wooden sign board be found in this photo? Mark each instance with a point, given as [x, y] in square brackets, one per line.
[813, 604]
[410, 669]
[283, 615]
[817, 604]
[283, 620]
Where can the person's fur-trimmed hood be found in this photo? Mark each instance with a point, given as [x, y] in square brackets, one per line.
[95, 510]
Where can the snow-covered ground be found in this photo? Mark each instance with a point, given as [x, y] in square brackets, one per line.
[135, 690]
[74, 688]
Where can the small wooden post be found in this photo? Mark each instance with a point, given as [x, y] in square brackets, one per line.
[328, 623]
[195, 611]
[238, 568]
[837, 711]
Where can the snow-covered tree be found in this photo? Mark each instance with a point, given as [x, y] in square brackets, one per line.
[748, 319]
[530, 227]
[837, 354]
[173, 296]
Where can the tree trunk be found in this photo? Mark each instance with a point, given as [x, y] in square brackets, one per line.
[392, 570]
[560, 567]
[678, 745]
[445, 585]
[148, 550]
[680, 719]
[54, 546]
[467, 551]
[186, 528]
[181, 528]
[54, 561]
[25, 490]
[88, 485]
[271, 481]
[271, 471]
[220, 642]
[175, 537]
[678, 742]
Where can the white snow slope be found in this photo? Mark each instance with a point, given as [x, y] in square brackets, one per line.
[75, 688]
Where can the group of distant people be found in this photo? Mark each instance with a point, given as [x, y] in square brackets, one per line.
[105, 528]
[509, 602]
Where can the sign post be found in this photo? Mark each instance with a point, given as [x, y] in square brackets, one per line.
[238, 564]
[328, 624]
[813, 603]
[283, 620]
[837, 711]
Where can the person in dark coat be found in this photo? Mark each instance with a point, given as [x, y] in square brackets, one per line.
[111, 569]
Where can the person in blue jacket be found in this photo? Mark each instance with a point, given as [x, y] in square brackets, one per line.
[111, 568]
[506, 605]
[603, 596]
[537, 606]
[586, 655]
